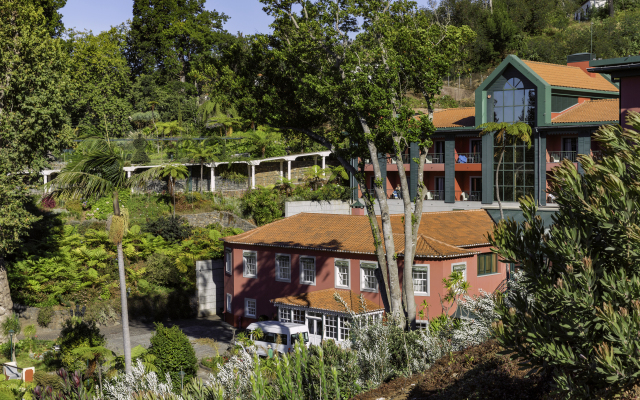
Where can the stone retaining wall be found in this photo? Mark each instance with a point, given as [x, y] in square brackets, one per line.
[226, 219]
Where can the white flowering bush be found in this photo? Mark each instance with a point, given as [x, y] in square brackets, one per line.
[234, 377]
[126, 386]
[371, 340]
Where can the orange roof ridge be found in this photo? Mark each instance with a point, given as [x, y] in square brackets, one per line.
[453, 108]
[555, 65]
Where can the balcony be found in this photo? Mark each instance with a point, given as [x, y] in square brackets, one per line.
[469, 158]
[474, 195]
[435, 158]
[434, 195]
[557, 156]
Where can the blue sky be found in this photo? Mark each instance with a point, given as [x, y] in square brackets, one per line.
[246, 16]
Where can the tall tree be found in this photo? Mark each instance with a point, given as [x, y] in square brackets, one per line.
[101, 99]
[53, 19]
[101, 172]
[331, 75]
[167, 35]
[34, 82]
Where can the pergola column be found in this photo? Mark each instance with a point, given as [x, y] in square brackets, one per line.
[253, 176]
[281, 172]
[46, 179]
[289, 169]
[212, 186]
[323, 165]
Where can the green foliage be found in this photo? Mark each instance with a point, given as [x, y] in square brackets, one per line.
[579, 315]
[76, 334]
[45, 316]
[447, 101]
[172, 229]
[234, 176]
[263, 205]
[48, 379]
[173, 352]
[140, 156]
[11, 323]
[264, 141]
[161, 270]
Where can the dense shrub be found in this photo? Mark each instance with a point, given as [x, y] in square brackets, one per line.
[11, 323]
[140, 156]
[48, 379]
[173, 353]
[172, 229]
[161, 270]
[77, 333]
[45, 315]
[264, 205]
[48, 202]
[579, 317]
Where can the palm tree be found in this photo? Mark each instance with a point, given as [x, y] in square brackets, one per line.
[201, 153]
[506, 133]
[262, 138]
[169, 172]
[99, 172]
[314, 176]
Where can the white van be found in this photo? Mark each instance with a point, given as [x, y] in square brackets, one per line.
[282, 336]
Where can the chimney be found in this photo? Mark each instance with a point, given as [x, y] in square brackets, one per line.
[581, 60]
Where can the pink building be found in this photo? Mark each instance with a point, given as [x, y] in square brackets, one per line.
[292, 269]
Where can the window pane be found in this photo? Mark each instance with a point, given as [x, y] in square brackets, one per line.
[369, 279]
[420, 281]
[531, 97]
[284, 314]
[498, 115]
[308, 270]
[519, 97]
[298, 316]
[331, 326]
[508, 114]
[508, 98]
[498, 98]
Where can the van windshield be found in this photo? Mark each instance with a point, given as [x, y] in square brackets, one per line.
[296, 336]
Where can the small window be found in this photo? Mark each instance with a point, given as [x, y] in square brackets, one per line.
[369, 280]
[421, 279]
[342, 274]
[298, 317]
[228, 302]
[284, 314]
[331, 327]
[344, 328]
[487, 264]
[250, 261]
[250, 308]
[422, 324]
[228, 261]
[308, 270]
[283, 267]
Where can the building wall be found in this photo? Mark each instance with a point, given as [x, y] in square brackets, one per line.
[265, 287]
[629, 96]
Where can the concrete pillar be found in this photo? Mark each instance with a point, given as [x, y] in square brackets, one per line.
[281, 172]
[449, 169]
[323, 162]
[253, 176]
[213, 177]
[289, 170]
[46, 179]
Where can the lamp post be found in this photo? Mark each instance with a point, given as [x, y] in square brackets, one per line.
[182, 379]
[11, 332]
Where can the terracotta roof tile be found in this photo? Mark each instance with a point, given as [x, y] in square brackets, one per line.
[325, 300]
[442, 234]
[591, 111]
[455, 117]
[568, 76]
[456, 228]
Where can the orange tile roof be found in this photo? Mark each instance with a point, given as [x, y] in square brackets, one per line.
[455, 117]
[326, 300]
[456, 228]
[568, 76]
[441, 235]
[591, 111]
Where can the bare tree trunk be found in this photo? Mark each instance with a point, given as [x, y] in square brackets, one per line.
[611, 9]
[126, 340]
[6, 304]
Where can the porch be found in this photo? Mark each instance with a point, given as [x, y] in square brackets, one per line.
[327, 313]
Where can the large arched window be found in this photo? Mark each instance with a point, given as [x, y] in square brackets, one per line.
[514, 103]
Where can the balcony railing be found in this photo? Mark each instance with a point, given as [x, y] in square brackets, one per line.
[434, 158]
[468, 195]
[469, 158]
[434, 195]
[557, 156]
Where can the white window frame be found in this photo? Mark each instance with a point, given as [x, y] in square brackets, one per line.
[422, 267]
[246, 308]
[298, 320]
[315, 270]
[278, 278]
[284, 311]
[244, 264]
[337, 274]
[466, 269]
[362, 280]
[229, 299]
[228, 261]
[344, 328]
[334, 328]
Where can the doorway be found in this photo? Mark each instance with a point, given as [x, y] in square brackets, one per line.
[314, 324]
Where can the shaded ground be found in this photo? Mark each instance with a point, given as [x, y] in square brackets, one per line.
[476, 373]
[141, 332]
